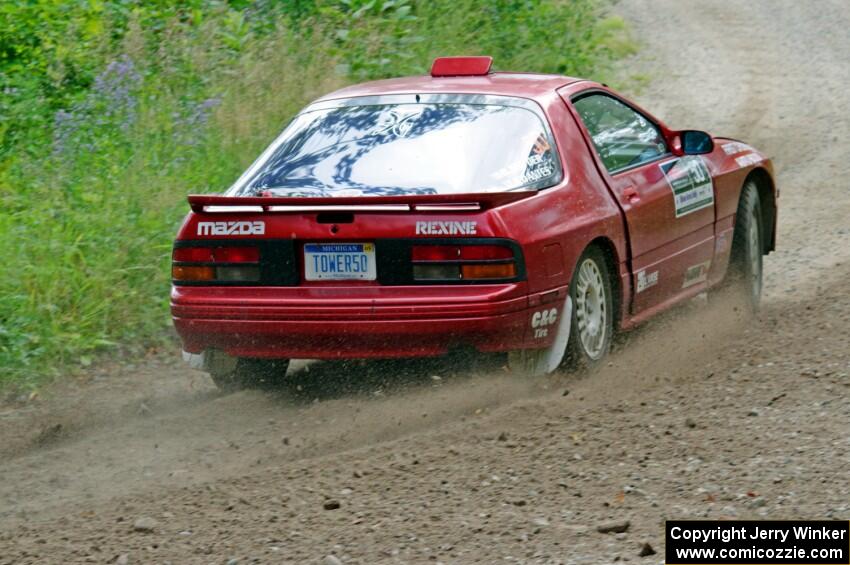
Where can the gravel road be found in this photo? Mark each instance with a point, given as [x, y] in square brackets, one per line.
[699, 414]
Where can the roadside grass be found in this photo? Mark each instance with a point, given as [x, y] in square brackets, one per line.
[93, 187]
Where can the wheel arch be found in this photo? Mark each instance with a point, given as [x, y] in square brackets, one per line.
[767, 198]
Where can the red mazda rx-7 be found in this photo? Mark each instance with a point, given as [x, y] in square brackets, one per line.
[505, 212]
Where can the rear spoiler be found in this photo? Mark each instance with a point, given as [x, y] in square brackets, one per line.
[411, 202]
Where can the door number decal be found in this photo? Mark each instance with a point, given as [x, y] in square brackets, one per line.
[690, 182]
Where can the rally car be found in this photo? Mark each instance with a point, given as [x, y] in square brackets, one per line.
[502, 212]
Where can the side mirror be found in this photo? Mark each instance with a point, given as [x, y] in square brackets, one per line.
[695, 142]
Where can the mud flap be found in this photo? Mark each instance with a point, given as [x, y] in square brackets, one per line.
[534, 362]
[212, 361]
[194, 360]
[555, 353]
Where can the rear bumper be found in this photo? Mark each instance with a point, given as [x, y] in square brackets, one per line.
[353, 322]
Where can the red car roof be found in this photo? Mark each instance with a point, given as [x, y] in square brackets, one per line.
[525, 85]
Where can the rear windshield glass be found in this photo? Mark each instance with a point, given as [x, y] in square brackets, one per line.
[392, 149]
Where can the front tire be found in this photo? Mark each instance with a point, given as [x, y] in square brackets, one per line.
[745, 263]
[252, 374]
[593, 311]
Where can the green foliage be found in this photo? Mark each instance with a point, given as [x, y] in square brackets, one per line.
[113, 110]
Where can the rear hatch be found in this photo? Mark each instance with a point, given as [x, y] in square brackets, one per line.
[376, 190]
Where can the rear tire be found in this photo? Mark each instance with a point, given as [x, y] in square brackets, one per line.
[250, 373]
[593, 312]
[745, 262]
[591, 322]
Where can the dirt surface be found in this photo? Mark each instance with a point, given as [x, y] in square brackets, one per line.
[699, 414]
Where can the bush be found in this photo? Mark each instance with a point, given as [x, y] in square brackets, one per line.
[113, 111]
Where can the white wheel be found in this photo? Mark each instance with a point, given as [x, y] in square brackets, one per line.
[591, 309]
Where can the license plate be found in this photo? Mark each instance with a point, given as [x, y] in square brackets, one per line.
[339, 261]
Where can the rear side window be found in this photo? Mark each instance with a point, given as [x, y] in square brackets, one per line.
[408, 148]
[622, 137]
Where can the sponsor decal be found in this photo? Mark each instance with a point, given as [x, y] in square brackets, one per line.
[231, 228]
[539, 164]
[747, 160]
[646, 280]
[537, 172]
[446, 228]
[696, 274]
[541, 319]
[690, 182]
[735, 147]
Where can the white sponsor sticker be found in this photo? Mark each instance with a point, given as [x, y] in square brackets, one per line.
[735, 147]
[748, 159]
[696, 274]
[446, 228]
[231, 228]
[690, 182]
[646, 280]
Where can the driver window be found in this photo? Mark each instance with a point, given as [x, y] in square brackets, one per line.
[622, 137]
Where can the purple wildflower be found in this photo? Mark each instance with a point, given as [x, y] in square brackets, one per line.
[111, 101]
[65, 125]
[114, 89]
[199, 114]
[194, 119]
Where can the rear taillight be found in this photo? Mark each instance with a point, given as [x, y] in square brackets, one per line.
[236, 255]
[215, 264]
[192, 255]
[502, 271]
[192, 273]
[460, 252]
[464, 262]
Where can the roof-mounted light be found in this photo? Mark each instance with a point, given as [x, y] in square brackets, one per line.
[461, 66]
